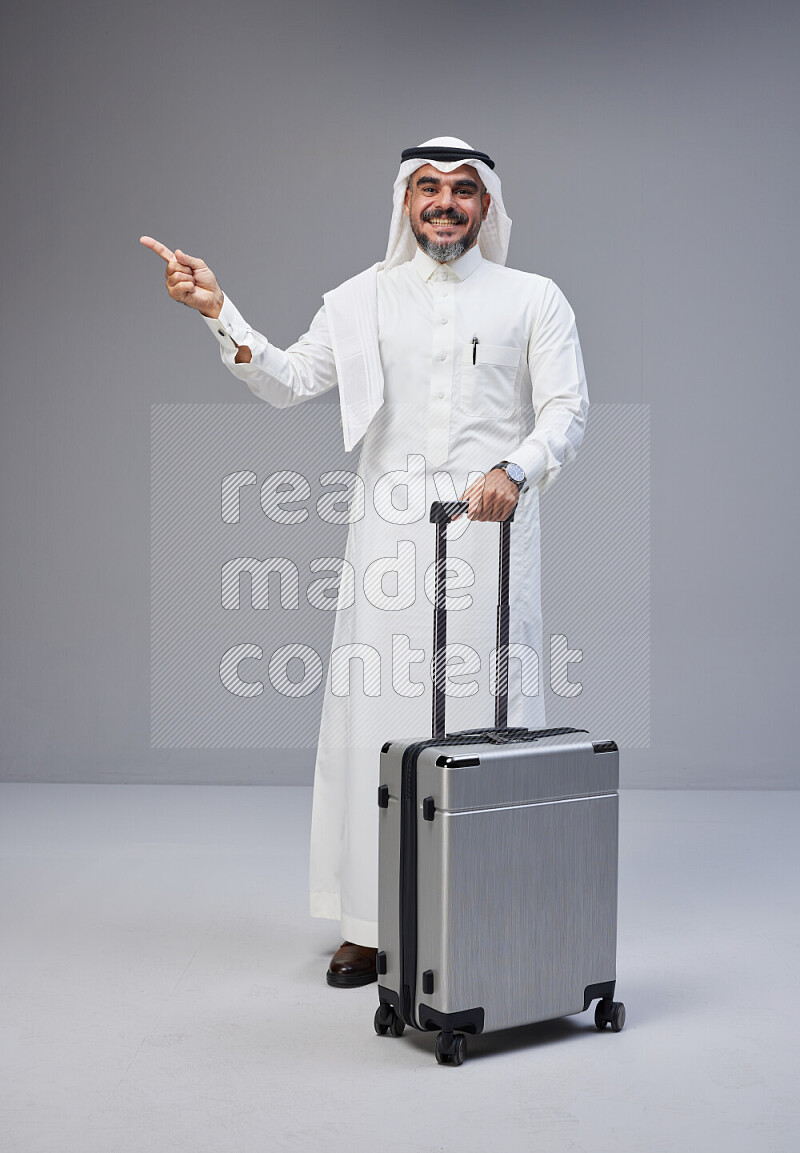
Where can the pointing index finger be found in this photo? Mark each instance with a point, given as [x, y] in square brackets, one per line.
[160, 249]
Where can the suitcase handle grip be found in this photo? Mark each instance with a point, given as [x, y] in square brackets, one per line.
[442, 513]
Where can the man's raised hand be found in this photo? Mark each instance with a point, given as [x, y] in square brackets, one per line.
[189, 280]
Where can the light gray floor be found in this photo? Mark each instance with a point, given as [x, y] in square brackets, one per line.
[163, 989]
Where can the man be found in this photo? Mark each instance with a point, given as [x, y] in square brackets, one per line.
[461, 376]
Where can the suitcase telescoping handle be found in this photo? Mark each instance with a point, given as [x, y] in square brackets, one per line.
[442, 512]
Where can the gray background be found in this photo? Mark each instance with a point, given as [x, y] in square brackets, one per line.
[649, 162]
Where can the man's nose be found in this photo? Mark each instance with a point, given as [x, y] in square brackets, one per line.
[446, 197]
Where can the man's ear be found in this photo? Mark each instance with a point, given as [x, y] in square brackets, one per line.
[486, 200]
[407, 202]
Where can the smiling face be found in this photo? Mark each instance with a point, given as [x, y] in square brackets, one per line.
[446, 210]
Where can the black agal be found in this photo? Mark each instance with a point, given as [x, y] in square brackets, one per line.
[426, 152]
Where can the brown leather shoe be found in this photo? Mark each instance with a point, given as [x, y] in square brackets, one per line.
[352, 965]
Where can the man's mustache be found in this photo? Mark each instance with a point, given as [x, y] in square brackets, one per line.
[449, 214]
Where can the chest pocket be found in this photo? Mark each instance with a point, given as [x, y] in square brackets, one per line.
[488, 387]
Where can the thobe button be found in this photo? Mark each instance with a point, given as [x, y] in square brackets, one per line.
[444, 320]
[442, 356]
[441, 396]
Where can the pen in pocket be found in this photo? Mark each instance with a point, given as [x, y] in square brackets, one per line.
[474, 348]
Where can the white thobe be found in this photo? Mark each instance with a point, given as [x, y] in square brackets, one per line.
[480, 363]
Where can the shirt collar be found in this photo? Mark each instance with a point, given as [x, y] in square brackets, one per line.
[425, 266]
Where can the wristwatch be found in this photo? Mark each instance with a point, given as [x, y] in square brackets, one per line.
[513, 471]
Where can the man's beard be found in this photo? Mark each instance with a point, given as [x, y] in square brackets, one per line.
[445, 251]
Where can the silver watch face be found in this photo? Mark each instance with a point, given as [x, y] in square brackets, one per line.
[516, 473]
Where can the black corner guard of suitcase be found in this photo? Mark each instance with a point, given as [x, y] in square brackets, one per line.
[598, 992]
[605, 747]
[389, 997]
[468, 1021]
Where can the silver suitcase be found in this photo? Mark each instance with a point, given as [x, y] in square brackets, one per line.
[497, 865]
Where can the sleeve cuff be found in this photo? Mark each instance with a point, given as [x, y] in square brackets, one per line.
[230, 329]
[532, 458]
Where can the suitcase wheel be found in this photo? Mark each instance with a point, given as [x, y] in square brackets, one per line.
[609, 1013]
[451, 1048]
[387, 1021]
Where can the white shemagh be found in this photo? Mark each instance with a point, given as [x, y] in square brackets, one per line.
[352, 308]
